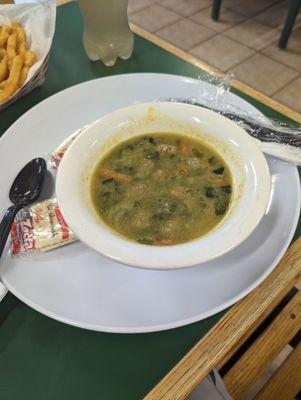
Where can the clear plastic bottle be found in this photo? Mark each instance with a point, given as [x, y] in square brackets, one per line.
[107, 34]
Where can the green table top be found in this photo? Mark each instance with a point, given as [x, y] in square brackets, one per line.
[43, 359]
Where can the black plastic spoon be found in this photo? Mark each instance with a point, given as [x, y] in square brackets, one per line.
[25, 190]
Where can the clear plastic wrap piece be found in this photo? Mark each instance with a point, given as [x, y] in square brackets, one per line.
[279, 139]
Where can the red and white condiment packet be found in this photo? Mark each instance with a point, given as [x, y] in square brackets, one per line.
[39, 228]
[57, 155]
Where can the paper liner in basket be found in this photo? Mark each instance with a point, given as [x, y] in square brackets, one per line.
[38, 20]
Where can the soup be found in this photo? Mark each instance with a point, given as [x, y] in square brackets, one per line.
[161, 189]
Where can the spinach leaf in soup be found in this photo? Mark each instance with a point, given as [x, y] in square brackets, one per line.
[161, 189]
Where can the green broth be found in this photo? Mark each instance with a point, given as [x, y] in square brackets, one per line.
[161, 189]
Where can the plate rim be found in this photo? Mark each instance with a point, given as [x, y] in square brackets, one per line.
[111, 77]
[171, 325]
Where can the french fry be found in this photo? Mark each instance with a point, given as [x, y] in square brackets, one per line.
[21, 37]
[15, 70]
[12, 46]
[3, 84]
[15, 59]
[6, 29]
[2, 53]
[29, 58]
[15, 24]
[3, 39]
[4, 68]
[7, 92]
[21, 47]
[23, 76]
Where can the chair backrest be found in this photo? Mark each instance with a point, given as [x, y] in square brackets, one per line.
[247, 369]
[238, 324]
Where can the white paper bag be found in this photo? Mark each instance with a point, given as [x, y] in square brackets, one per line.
[38, 20]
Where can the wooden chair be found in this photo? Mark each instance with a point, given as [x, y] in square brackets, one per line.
[289, 22]
[293, 10]
[226, 338]
[216, 7]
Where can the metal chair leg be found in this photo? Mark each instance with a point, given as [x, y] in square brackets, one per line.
[216, 9]
[289, 23]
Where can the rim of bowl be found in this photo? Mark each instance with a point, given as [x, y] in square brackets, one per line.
[144, 256]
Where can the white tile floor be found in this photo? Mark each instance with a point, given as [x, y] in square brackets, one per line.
[243, 41]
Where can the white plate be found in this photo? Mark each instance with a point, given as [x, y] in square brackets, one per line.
[77, 286]
[3, 291]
